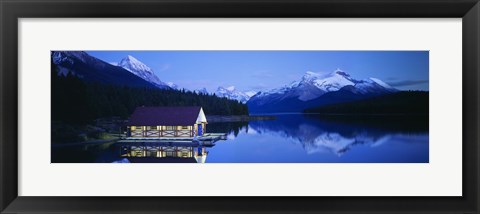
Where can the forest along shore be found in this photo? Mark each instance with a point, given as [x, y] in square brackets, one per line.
[237, 118]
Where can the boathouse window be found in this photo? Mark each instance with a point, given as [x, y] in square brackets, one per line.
[184, 127]
[153, 127]
[169, 128]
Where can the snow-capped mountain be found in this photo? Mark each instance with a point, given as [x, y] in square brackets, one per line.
[138, 68]
[92, 69]
[233, 94]
[315, 89]
[313, 85]
[201, 91]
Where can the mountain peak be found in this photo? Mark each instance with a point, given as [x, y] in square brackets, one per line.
[232, 93]
[133, 60]
[138, 68]
[310, 74]
[341, 72]
[313, 85]
[132, 64]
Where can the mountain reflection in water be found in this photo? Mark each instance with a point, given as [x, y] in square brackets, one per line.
[338, 138]
[291, 138]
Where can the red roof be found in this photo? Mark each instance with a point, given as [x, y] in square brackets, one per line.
[165, 116]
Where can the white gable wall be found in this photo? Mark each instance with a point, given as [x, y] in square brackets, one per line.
[201, 117]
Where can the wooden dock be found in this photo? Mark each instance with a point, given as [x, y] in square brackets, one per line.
[217, 136]
[207, 138]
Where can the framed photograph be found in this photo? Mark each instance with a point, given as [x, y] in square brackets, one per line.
[227, 106]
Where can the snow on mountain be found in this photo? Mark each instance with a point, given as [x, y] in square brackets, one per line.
[201, 91]
[328, 82]
[381, 83]
[172, 85]
[67, 56]
[312, 86]
[63, 57]
[92, 69]
[134, 65]
[68, 62]
[250, 93]
[70, 58]
[233, 94]
[60, 57]
[372, 86]
[138, 68]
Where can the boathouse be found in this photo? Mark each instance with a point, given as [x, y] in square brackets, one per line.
[155, 122]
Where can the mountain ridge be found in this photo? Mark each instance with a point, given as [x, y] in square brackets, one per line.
[138, 68]
[92, 69]
[232, 93]
[316, 89]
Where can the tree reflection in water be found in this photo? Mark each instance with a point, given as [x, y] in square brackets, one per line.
[290, 138]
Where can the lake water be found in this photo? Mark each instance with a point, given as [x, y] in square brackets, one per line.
[291, 138]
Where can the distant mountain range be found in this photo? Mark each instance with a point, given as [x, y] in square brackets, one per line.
[316, 90]
[233, 94]
[201, 91]
[138, 68]
[311, 91]
[129, 72]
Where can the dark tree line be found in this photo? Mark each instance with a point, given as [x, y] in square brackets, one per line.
[405, 102]
[76, 101]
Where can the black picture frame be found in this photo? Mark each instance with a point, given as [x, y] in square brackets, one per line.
[12, 10]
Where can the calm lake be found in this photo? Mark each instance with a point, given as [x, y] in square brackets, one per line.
[292, 138]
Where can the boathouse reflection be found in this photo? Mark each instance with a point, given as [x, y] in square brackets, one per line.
[164, 153]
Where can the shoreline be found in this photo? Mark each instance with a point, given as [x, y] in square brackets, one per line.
[273, 116]
[98, 142]
[238, 118]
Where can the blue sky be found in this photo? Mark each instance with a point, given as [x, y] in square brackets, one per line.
[264, 70]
